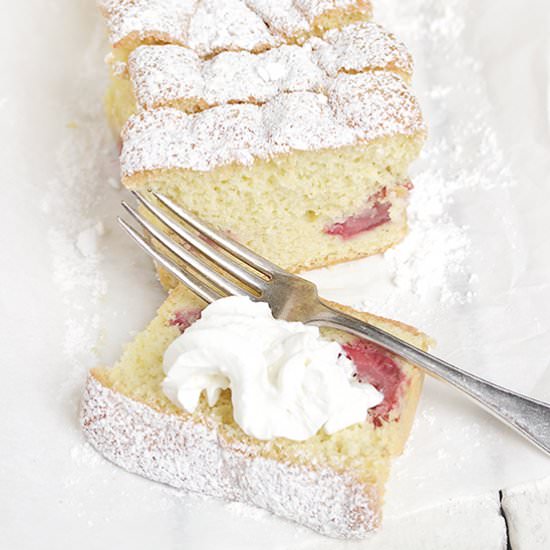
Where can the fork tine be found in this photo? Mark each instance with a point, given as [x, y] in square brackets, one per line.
[209, 251]
[189, 280]
[193, 261]
[227, 243]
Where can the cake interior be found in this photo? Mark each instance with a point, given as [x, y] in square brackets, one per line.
[363, 449]
[298, 199]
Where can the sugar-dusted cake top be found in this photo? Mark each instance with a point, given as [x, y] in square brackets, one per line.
[264, 94]
[172, 75]
[211, 26]
[354, 108]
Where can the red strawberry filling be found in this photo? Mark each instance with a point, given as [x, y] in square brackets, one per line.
[184, 319]
[376, 213]
[377, 367]
[373, 216]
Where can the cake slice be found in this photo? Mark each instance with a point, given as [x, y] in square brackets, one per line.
[331, 483]
[296, 143]
[306, 179]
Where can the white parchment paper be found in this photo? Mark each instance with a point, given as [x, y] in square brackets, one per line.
[475, 270]
[474, 273]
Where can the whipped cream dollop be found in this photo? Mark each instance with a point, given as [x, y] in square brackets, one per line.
[285, 380]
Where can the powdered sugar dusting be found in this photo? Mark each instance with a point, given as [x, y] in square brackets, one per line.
[142, 19]
[153, 82]
[76, 231]
[87, 241]
[227, 25]
[211, 26]
[375, 105]
[182, 453]
[359, 107]
[315, 8]
[432, 258]
[303, 121]
[163, 75]
[360, 46]
[248, 77]
[283, 17]
[461, 153]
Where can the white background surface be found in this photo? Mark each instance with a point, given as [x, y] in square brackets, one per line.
[71, 292]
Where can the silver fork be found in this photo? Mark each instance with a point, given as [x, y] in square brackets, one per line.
[213, 265]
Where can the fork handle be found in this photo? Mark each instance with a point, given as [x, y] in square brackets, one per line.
[529, 417]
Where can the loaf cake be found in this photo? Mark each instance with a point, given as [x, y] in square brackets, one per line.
[331, 483]
[306, 179]
[290, 126]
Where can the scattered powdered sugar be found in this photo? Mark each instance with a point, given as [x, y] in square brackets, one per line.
[432, 258]
[247, 511]
[74, 205]
[85, 455]
[87, 241]
[462, 153]
[77, 229]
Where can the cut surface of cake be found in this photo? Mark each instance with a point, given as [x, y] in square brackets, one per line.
[332, 483]
[292, 133]
[306, 179]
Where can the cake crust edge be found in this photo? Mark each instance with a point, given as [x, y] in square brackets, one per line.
[191, 456]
